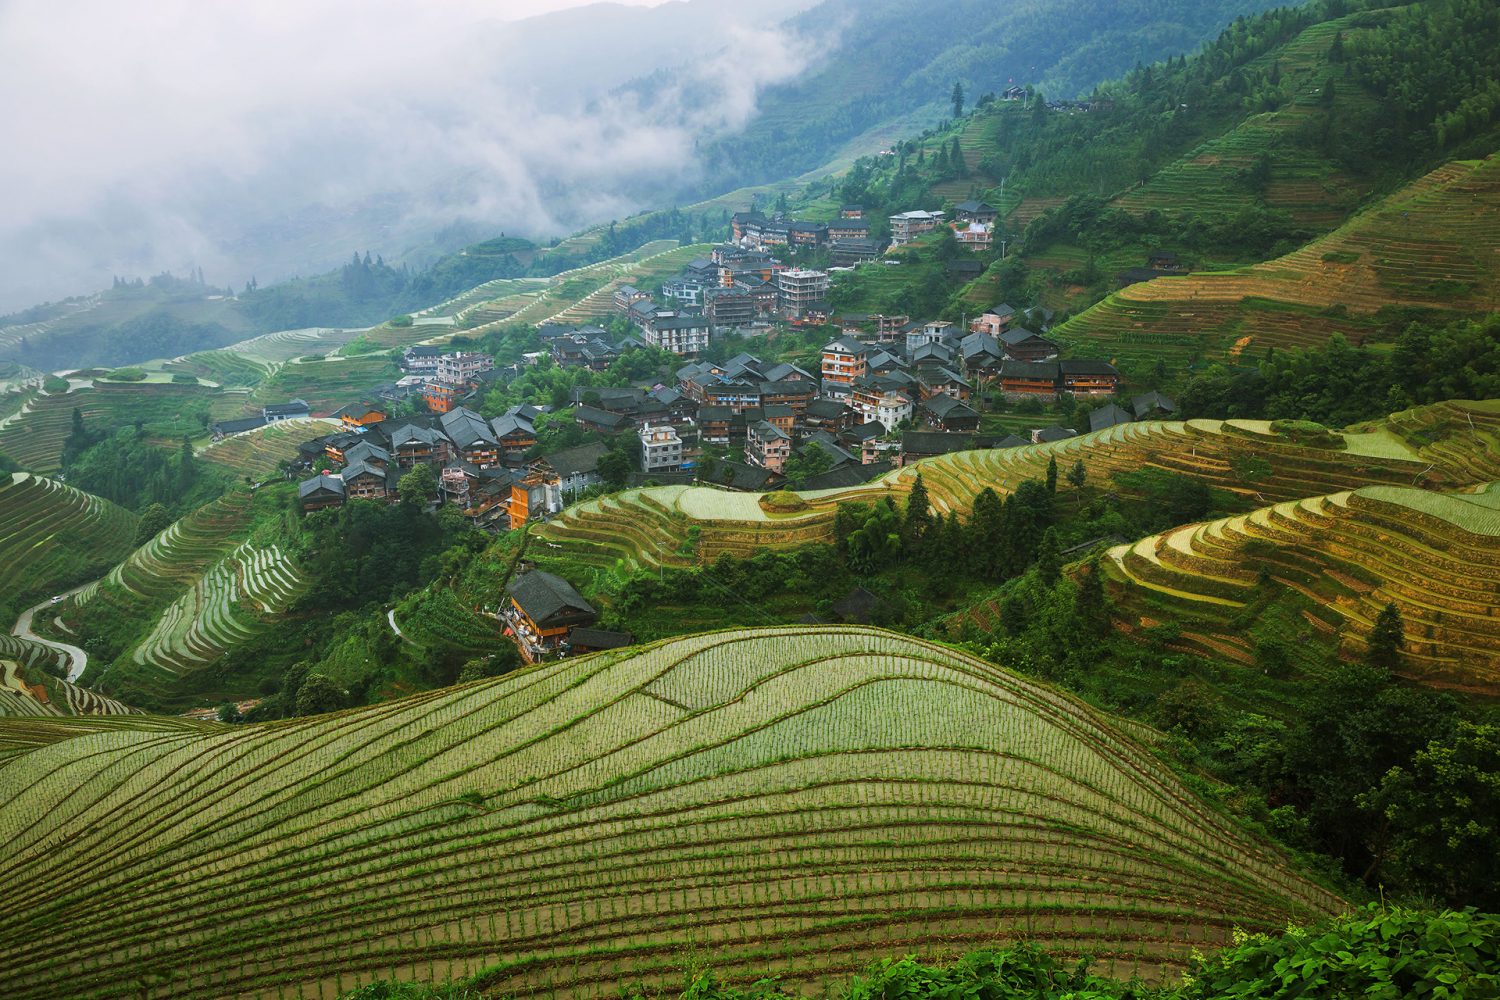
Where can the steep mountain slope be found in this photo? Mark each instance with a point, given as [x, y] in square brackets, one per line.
[809, 797]
[891, 67]
[208, 582]
[31, 685]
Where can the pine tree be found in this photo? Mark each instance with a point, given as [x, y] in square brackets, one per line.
[918, 514]
[1090, 604]
[986, 529]
[1386, 639]
[1052, 475]
[958, 99]
[956, 159]
[1049, 559]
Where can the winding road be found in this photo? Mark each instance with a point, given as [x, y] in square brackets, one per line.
[78, 660]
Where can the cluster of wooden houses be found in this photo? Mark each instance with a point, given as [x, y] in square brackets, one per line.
[482, 466]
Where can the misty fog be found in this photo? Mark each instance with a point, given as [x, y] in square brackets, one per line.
[275, 138]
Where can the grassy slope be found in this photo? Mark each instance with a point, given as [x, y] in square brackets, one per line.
[34, 437]
[779, 796]
[258, 453]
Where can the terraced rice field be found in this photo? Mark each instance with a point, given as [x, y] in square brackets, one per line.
[222, 608]
[226, 366]
[284, 345]
[688, 525]
[28, 691]
[647, 270]
[198, 588]
[1436, 244]
[1435, 556]
[34, 437]
[51, 534]
[1308, 187]
[326, 384]
[584, 293]
[259, 453]
[796, 800]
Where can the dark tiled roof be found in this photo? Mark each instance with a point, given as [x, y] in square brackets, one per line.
[580, 460]
[1046, 370]
[598, 638]
[1108, 416]
[1151, 401]
[550, 600]
[599, 418]
[937, 442]
[239, 426]
[1080, 366]
[320, 482]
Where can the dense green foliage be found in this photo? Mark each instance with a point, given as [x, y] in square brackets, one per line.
[1340, 384]
[136, 473]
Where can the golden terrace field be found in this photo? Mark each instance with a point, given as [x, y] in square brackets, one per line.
[796, 800]
[1434, 245]
[1436, 556]
[1445, 446]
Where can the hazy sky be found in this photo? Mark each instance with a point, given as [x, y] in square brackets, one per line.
[276, 136]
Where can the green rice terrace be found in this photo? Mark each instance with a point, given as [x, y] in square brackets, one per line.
[798, 801]
[259, 453]
[205, 583]
[34, 436]
[1435, 556]
[1450, 445]
[1433, 245]
[326, 383]
[53, 536]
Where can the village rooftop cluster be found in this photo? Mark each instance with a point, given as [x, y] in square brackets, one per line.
[885, 391]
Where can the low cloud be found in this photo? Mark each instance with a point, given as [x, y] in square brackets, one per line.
[274, 138]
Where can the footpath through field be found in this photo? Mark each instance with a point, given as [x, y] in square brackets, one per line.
[78, 660]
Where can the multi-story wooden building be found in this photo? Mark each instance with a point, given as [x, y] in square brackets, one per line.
[843, 361]
[1089, 378]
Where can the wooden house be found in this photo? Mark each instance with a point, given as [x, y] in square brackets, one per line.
[320, 491]
[543, 610]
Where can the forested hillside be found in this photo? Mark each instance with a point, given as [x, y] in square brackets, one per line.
[892, 67]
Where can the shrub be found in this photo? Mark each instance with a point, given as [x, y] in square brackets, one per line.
[782, 502]
[53, 384]
[127, 375]
[401, 321]
[1307, 432]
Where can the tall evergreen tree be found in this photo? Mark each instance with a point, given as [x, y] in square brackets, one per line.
[957, 97]
[1090, 604]
[1052, 475]
[1387, 639]
[918, 515]
[986, 534]
[1049, 559]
